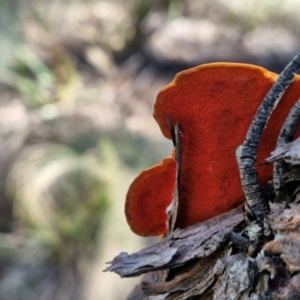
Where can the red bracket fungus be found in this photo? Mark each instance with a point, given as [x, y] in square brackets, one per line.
[214, 105]
[149, 197]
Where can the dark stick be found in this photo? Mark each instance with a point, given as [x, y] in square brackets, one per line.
[174, 210]
[238, 240]
[171, 129]
[286, 135]
[246, 154]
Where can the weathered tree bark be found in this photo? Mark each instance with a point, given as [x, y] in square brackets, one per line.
[204, 264]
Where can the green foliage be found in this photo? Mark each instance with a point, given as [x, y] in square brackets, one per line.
[38, 84]
[11, 35]
[32, 78]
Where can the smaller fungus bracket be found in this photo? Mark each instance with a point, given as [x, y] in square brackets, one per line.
[246, 153]
[150, 197]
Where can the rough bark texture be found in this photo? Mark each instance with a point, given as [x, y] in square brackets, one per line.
[200, 241]
[286, 135]
[204, 264]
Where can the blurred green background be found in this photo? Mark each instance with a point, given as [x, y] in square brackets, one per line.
[78, 80]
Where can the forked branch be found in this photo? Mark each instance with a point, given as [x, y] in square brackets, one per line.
[286, 135]
[247, 153]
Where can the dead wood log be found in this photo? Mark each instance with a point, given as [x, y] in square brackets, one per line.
[204, 264]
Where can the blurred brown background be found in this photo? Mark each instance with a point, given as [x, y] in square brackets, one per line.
[78, 80]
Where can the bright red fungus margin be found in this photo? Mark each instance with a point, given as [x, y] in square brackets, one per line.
[149, 197]
[214, 104]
